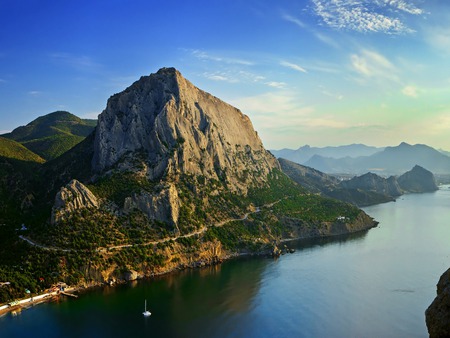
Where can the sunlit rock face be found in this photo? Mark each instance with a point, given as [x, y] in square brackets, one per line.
[164, 125]
[72, 197]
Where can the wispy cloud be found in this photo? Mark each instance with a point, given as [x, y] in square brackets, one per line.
[293, 66]
[90, 115]
[2, 81]
[234, 76]
[371, 64]
[439, 38]
[330, 94]
[294, 20]
[366, 15]
[34, 93]
[202, 55]
[410, 91]
[216, 76]
[275, 84]
[320, 36]
[80, 62]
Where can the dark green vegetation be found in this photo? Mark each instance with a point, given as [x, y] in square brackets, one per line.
[14, 150]
[213, 220]
[51, 135]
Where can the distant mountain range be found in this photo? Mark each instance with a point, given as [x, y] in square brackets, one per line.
[53, 134]
[364, 190]
[305, 153]
[386, 161]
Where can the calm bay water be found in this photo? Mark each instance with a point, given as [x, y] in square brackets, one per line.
[372, 284]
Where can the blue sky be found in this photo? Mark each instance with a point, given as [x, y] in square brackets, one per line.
[317, 72]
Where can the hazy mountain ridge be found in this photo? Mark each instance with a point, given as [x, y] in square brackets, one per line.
[51, 135]
[364, 190]
[305, 153]
[390, 161]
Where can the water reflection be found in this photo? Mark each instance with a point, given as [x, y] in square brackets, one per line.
[309, 243]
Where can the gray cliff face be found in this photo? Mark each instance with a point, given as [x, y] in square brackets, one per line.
[418, 179]
[176, 127]
[375, 183]
[438, 313]
[73, 196]
[164, 206]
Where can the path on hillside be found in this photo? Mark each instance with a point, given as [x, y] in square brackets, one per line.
[163, 240]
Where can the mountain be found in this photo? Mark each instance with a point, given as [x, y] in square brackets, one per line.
[14, 150]
[180, 128]
[446, 153]
[172, 178]
[390, 161]
[305, 153]
[418, 180]
[372, 182]
[364, 190]
[53, 134]
[309, 178]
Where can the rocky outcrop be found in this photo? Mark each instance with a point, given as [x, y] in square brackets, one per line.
[418, 180]
[438, 313]
[72, 197]
[312, 179]
[164, 206]
[374, 183]
[341, 226]
[177, 128]
[361, 191]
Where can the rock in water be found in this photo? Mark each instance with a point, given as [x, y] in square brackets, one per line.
[162, 124]
[73, 196]
[438, 313]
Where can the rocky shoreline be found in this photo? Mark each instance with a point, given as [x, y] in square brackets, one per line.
[275, 249]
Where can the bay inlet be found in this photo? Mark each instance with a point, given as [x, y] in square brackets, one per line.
[376, 283]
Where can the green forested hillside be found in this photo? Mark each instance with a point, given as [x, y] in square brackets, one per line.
[14, 150]
[53, 134]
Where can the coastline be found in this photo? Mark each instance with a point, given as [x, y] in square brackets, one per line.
[21, 304]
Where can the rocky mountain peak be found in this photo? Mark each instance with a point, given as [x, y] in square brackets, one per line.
[164, 125]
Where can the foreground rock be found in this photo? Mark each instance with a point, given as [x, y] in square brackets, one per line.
[438, 313]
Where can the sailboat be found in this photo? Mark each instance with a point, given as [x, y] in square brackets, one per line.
[146, 313]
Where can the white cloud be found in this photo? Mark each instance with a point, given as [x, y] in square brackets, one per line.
[293, 66]
[202, 55]
[4, 132]
[371, 64]
[34, 93]
[366, 15]
[402, 5]
[90, 115]
[296, 21]
[439, 38]
[82, 62]
[217, 77]
[333, 95]
[276, 104]
[410, 91]
[276, 84]
[234, 76]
